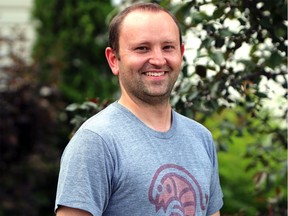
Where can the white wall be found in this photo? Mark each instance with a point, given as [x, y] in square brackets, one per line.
[15, 18]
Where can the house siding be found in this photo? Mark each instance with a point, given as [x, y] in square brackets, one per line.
[15, 18]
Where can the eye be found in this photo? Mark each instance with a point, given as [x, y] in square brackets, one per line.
[168, 48]
[142, 49]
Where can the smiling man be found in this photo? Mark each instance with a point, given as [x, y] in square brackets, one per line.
[138, 156]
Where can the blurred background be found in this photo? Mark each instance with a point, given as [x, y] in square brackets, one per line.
[54, 75]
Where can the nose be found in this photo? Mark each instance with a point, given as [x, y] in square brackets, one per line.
[157, 58]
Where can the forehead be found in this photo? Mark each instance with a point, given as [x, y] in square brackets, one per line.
[150, 24]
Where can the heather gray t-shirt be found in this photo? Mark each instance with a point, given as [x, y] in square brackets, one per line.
[115, 165]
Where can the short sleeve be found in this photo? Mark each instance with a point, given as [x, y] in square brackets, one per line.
[216, 195]
[85, 174]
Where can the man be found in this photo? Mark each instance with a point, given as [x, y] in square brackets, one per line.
[138, 156]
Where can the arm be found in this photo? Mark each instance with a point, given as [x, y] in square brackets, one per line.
[85, 162]
[216, 214]
[66, 211]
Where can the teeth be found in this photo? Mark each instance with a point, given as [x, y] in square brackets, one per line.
[155, 74]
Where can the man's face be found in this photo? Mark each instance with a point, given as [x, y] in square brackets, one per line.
[150, 56]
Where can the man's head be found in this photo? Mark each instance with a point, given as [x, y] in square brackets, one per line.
[116, 23]
[146, 53]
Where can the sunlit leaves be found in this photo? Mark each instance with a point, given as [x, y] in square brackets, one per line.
[217, 57]
[274, 60]
[242, 47]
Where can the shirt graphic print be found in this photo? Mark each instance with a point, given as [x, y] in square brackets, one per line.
[174, 190]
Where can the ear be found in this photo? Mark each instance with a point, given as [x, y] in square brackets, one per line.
[182, 49]
[112, 60]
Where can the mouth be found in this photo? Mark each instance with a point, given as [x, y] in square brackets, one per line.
[155, 74]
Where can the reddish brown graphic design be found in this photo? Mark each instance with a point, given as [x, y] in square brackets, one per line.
[175, 190]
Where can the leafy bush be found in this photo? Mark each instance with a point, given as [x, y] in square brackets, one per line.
[32, 136]
[70, 44]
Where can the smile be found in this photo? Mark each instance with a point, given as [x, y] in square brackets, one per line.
[155, 74]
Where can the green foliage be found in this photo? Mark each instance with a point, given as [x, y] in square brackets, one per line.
[253, 168]
[223, 72]
[224, 81]
[70, 47]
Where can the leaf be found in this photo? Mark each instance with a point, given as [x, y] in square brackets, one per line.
[274, 60]
[225, 32]
[72, 107]
[215, 89]
[217, 57]
[206, 43]
[218, 13]
[261, 94]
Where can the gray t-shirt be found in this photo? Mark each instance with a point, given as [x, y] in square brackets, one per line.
[115, 165]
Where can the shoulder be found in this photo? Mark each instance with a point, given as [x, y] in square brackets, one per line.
[107, 126]
[95, 130]
[187, 123]
[105, 119]
[197, 133]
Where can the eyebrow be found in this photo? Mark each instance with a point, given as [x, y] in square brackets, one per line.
[147, 42]
[170, 42]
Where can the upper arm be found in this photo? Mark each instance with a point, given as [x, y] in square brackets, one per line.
[66, 211]
[216, 214]
[86, 168]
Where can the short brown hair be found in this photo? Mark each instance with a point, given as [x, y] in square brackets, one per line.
[116, 22]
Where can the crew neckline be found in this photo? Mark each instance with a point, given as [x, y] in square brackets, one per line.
[162, 135]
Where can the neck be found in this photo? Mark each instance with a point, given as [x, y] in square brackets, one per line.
[155, 116]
